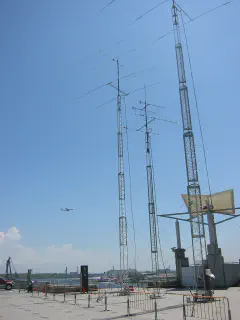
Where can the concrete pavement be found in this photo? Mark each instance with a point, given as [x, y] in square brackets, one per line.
[24, 306]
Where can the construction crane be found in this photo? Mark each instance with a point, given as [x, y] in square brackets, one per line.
[193, 187]
[8, 273]
[121, 186]
[9, 270]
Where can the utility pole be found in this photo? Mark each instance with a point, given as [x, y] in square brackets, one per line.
[121, 186]
[193, 187]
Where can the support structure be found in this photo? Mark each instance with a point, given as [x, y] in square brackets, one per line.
[212, 228]
[225, 274]
[179, 245]
[193, 187]
[121, 187]
[177, 215]
[180, 259]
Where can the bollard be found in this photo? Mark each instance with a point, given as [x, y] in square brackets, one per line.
[184, 313]
[229, 310]
[155, 307]
[38, 291]
[45, 290]
[54, 296]
[89, 299]
[128, 307]
[105, 301]
[75, 298]
[19, 288]
[64, 296]
[229, 315]
[32, 293]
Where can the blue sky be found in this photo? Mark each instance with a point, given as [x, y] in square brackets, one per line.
[61, 151]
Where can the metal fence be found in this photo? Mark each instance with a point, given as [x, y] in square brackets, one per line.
[91, 300]
[209, 308]
[142, 300]
[133, 304]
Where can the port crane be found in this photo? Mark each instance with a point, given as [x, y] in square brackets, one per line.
[9, 275]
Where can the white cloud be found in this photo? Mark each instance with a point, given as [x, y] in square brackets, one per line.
[55, 258]
[2, 235]
[50, 259]
[13, 233]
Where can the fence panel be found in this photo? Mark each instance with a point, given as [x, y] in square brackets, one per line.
[207, 308]
[142, 300]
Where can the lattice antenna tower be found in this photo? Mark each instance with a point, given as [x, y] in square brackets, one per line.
[152, 207]
[123, 237]
[151, 187]
[151, 194]
[193, 187]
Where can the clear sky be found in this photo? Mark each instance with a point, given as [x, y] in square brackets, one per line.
[60, 151]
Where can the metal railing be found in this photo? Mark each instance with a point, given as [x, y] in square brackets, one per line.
[91, 300]
[146, 302]
[134, 304]
[142, 300]
[209, 308]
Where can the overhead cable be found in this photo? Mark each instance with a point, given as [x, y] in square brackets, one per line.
[124, 77]
[127, 94]
[183, 11]
[150, 10]
[111, 2]
[195, 18]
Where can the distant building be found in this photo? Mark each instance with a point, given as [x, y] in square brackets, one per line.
[116, 273]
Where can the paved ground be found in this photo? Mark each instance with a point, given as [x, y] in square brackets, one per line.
[24, 306]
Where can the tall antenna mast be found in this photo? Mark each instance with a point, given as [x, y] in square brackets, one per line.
[152, 208]
[121, 186]
[150, 186]
[123, 237]
[193, 188]
[151, 195]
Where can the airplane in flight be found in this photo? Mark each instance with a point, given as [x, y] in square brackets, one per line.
[66, 209]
